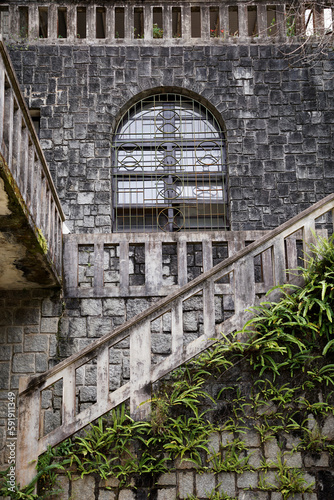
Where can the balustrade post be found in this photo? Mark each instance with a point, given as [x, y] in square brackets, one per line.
[2, 100]
[224, 20]
[71, 22]
[52, 22]
[71, 265]
[69, 393]
[110, 23]
[262, 20]
[167, 21]
[207, 254]
[148, 22]
[279, 261]
[153, 266]
[243, 21]
[244, 285]
[28, 435]
[140, 370]
[177, 328]
[281, 20]
[309, 239]
[17, 143]
[205, 24]
[22, 174]
[128, 22]
[124, 268]
[98, 268]
[8, 124]
[182, 261]
[103, 378]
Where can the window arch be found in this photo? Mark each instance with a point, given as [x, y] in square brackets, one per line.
[169, 170]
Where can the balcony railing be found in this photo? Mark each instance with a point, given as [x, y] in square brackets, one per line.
[25, 167]
[180, 22]
[147, 265]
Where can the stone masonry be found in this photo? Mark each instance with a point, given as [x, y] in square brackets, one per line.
[278, 121]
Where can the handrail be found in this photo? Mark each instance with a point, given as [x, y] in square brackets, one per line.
[278, 251]
[25, 165]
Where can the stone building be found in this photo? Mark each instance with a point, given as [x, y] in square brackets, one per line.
[168, 136]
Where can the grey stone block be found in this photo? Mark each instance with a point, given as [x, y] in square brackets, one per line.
[106, 495]
[126, 495]
[97, 327]
[167, 479]
[49, 325]
[83, 488]
[113, 307]
[247, 480]
[36, 343]
[91, 307]
[185, 484]
[24, 363]
[26, 316]
[167, 494]
[226, 483]
[205, 484]
[14, 334]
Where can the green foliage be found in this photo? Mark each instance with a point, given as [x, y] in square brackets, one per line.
[46, 478]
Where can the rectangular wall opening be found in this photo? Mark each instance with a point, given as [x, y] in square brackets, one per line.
[62, 23]
[309, 22]
[4, 21]
[195, 22]
[271, 21]
[138, 22]
[81, 22]
[43, 22]
[157, 22]
[119, 22]
[233, 21]
[24, 21]
[252, 21]
[214, 23]
[176, 22]
[100, 22]
[328, 22]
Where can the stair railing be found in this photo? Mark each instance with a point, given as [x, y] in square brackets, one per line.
[234, 278]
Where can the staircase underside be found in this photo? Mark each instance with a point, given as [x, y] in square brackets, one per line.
[23, 259]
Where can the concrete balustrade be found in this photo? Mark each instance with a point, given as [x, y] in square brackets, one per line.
[180, 22]
[25, 167]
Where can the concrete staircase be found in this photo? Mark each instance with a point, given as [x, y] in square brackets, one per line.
[234, 278]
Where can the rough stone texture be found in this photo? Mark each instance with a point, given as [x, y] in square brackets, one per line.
[205, 483]
[278, 121]
[25, 348]
[226, 483]
[83, 488]
[186, 484]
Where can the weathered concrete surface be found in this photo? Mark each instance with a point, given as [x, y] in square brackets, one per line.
[23, 263]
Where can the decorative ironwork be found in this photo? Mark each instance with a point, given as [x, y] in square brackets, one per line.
[169, 167]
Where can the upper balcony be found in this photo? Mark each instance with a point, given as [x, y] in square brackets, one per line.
[164, 22]
[30, 212]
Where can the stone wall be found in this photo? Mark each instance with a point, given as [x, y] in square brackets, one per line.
[28, 338]
[278, 118]
[185, 480]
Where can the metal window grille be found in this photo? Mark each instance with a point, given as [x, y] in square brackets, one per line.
[169, 170]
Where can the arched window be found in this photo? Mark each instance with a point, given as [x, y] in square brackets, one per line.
[169, 169]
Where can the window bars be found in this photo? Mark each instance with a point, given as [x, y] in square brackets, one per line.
[169, 170]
